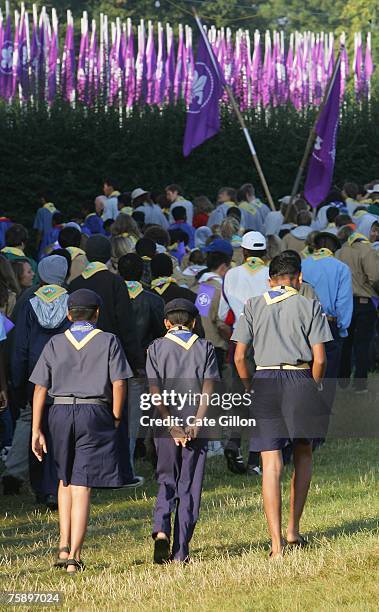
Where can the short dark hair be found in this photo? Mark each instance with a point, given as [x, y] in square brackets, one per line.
[352, 190]
[139, 218]
[323, 241]
[107, 223]
[82, 314]
[161, 265]
[282, 265]
[180, 317]
[16, 235]
[291, 254]
[158, 234]
[145, 247]
[304, 218]
[245, 191]
[232, 193]
[332, 213]
[179, 213]
[57, 218]
[69, 237]
[249, 253]
[216, 259]
[342, 219]
[110, 181]
[130, 267]
[174, 187]
[177, 235]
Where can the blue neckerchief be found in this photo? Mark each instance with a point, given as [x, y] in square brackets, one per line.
[80, 329]
[182, 333]
[275, 293]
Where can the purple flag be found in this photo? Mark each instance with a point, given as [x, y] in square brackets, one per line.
[16, 51]
[82, 77]
[151, 64]
[190, 65]
[180, 66]
[321, 165]
[6, 62]
[160, 74]
[52, 61]
[203, 115]
[68, 62]
[170, 64]
[23, 63]
[369, 66]
[93, 75]
[130, 76]
[204, 299]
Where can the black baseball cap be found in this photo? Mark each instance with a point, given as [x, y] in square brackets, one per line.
[84, 298]
[181, 304]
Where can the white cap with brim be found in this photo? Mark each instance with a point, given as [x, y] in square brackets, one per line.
[375, 189]
[137, 193]
[254, 241]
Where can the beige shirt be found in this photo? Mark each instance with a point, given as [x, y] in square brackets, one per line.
[294, 244]
[363, 261]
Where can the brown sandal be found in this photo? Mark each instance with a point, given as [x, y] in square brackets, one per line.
[61, 562]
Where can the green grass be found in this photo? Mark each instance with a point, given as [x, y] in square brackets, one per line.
[230, 568]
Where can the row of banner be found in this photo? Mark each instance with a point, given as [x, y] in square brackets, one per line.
[125, 65]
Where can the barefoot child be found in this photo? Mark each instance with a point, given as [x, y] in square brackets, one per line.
[288, 332]
[178, 363]
[85, 371]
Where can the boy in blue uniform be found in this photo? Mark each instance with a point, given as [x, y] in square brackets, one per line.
[177, 363]
[287, 332]
[84, 370]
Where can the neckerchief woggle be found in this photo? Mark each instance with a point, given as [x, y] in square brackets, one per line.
[322, 253]
[254, 264]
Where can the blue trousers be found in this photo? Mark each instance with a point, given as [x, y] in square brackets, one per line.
[180, 473]
[43, 475]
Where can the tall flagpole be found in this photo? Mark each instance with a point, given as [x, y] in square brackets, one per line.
[312, 138]
[239, 117]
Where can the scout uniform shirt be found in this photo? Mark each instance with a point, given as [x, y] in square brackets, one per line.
[363, 262]
[83, 363]
[242, 283]
[207, 302]
[180, 362]
[282, 326]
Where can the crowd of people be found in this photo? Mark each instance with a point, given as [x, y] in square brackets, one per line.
[180, 290]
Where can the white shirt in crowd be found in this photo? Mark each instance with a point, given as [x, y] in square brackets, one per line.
[240, 284]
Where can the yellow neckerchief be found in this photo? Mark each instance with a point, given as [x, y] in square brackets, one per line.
[172, 247]
[49, 293]
[359, 214]
[254, 264]
[305, 253]
[180, 199]
[92, 268]
[165, 211]
[79, 345]
[13, 251]
[283, 293]
[90, 215]
[114, 194]
[186, 344]
[355, 237]
[74, 252]
[331, 225]
[146, 258]
[230, 204]
[249, 206]
[126, 210]
[321, 253]
[258, 203]
[50, 207]
[162, 283]
[134, 289]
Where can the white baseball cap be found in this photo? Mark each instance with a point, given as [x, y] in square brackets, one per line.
[285, 199]
[375, 189]
[138, 193]
[253, 241]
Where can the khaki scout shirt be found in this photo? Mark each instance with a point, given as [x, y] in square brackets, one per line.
[215, 330]
[363, 261]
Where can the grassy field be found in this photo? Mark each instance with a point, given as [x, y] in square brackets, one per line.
[230, 569]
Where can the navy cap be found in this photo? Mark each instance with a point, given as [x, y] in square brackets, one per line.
[84, 298]
[181, 304]
[219, 245]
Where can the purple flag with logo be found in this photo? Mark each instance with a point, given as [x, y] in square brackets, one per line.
[204, 299]
[6, 62]
[203, 115]
[321, 165]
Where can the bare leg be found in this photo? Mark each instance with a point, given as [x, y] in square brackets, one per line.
[79, 519]
[64, 507]
[272, 498]
[300, 482]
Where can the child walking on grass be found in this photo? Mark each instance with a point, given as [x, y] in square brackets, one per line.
[84, 370]
[178, 363]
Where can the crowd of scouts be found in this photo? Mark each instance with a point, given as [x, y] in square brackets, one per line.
[154, 292]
